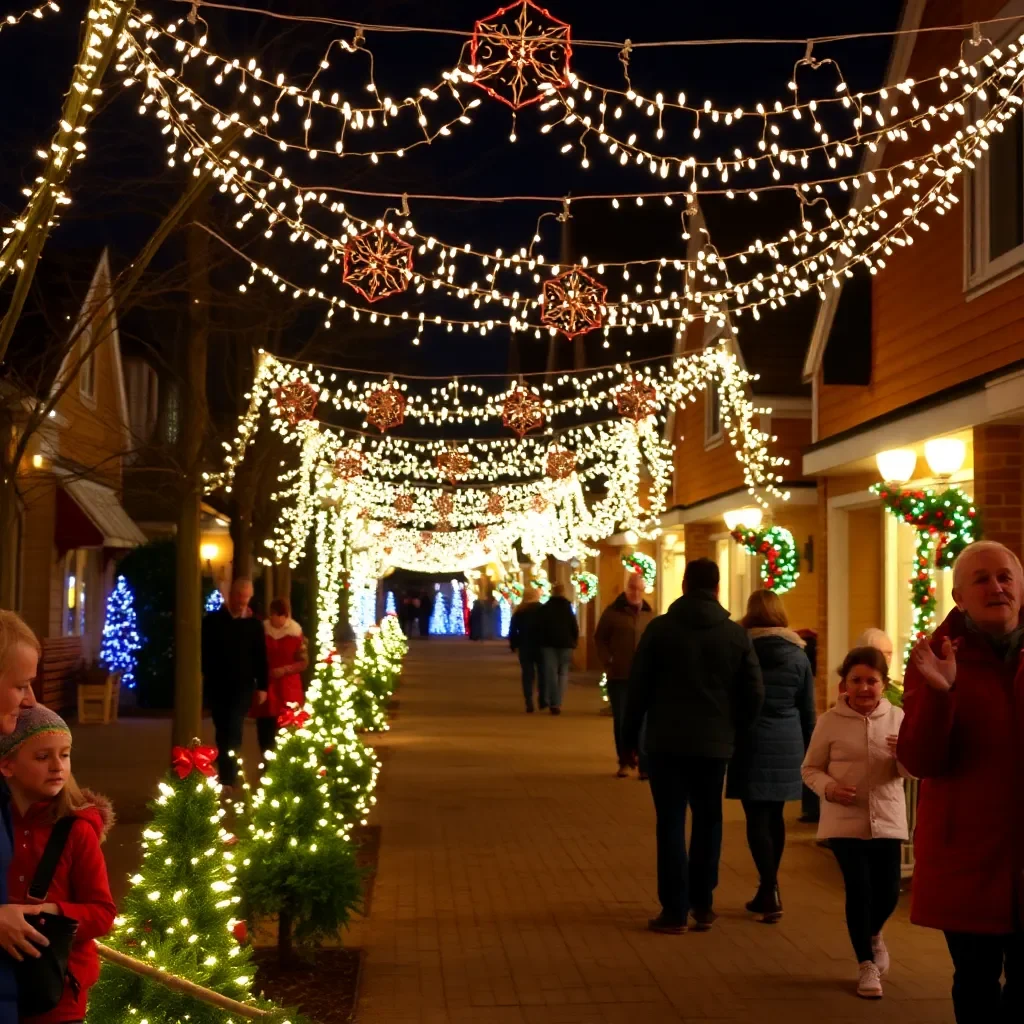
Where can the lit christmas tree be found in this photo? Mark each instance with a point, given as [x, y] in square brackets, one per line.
[456, 624]
[438, 615]
[214, 601]
[377, 664]
[181, 913]
[121, 641]
[389, 606]
[505, 622]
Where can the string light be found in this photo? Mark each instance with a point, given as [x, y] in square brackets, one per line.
[33, 12]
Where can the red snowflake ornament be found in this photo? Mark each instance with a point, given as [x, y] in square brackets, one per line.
[481, 533]
[539, 503]
[349, 464]
[573, 303]
[636, 400]
[426, 537]
[404, 504]
[385, 407]
[522, 411]
[377, 263]
[560, 463]
[444, 505]
[453, 463]
[518, 48]
[296, 401]
[495, 505]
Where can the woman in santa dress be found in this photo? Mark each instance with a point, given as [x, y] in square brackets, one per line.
[287, 657]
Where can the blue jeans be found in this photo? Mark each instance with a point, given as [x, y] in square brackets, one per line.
[532, 671]
[677, 782]
[555, 662]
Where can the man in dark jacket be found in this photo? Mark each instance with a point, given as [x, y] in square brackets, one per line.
[696, 678]
[234, 668]
[524, 637]
[560, 632]
[617, 634]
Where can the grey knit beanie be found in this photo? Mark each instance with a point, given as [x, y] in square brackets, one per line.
[33, 721]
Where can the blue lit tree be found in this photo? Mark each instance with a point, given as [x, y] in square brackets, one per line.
[389, 607]
[438, 617]
[214, 601]
[456, 618]
[121, 640]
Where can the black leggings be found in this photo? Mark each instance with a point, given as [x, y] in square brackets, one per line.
[766, 837]
[871, 871]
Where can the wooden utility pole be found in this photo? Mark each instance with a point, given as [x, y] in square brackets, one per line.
[188, 685]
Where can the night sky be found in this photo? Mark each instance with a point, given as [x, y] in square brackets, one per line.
[125, 184]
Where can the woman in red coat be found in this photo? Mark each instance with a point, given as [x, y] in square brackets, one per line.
[963, 736]
[287, 658]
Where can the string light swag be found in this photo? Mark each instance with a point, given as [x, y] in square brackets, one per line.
[377, 263]
[643, 565]
[585, 585]
[32, 12]
[522, 411]
[454, 463]
[385, 407]
[781, 566]
[946, 522]
[296, 401]
[516, 49]
[572, 303]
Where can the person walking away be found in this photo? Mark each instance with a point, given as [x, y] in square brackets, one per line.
[560, 632]
[696, 678]
[616, 637]
[524, 638]
[851, 764]
[765, 770]
[963, 736]
[287, 659]
[234, 653]
[19, 662]
[35, 761]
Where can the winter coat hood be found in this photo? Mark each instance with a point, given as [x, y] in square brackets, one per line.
[289, 628]
[699, 610]
[98, 812]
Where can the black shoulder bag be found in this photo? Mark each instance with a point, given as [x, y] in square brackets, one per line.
[41, 979]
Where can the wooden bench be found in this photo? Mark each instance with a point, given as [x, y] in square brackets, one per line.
[54, 684]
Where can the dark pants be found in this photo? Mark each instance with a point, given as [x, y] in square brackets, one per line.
[979, 961]
[555, 663]
[678, 782]
[617, 691]
[871, 872]
[266, 733]
[533, 673]
[766, 837]
[227, 729]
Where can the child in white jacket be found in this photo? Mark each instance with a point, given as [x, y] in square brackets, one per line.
[851, 764]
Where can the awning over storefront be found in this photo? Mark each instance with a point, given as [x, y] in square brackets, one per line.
[89, 515]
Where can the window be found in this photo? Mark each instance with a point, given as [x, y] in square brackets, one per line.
[712, 415]
[87, 371]
[172, 416]
[737, 568]
[75, 570]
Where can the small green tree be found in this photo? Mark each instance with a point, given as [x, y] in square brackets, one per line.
[181, 913]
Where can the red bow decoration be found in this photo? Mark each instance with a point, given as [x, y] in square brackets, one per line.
[292, 715]
[184, 759]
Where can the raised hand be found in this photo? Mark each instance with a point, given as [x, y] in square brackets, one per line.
[938, 673]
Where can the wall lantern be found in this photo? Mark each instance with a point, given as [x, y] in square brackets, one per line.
[748, 517]
[945, 455]
[897, 465]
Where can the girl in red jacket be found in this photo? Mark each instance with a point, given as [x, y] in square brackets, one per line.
[36, 763]
[287, 658]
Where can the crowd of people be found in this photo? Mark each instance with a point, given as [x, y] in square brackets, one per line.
[718, 709]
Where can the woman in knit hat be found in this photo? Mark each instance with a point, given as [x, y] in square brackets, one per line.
[35, 760]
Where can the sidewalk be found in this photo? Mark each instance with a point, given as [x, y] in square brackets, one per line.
[516, 876]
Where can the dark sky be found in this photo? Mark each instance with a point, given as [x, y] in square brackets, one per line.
[124, 182]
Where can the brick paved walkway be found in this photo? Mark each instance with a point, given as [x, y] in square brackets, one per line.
[516, 877]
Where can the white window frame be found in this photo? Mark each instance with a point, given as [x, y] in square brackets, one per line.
[87, 371]
[989, 273]
[712, 437]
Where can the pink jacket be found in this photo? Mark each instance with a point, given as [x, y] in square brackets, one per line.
[851, 749]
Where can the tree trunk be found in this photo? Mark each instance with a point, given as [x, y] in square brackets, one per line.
[188, 686]
[241, 539]
[283, 581]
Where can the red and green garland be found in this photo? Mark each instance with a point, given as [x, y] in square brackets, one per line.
[946, 523]
[643, 565]
[781, 566]
[585, 584]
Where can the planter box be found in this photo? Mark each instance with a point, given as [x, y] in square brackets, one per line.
[97, 701]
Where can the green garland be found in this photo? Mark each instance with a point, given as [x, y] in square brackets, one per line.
[642, 565]
[781, 566]
[946, 522]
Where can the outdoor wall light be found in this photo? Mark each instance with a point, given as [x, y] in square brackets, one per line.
[945, 455]
[208, 552]
[748, 517]
[631, 538]
[897, 465]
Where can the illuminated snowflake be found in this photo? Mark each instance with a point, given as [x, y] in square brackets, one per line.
[453, 463]
[560, 463]
[444, 505]
[404, 504]
[636, 400]
[517, 49]
[377, 263]
[539, 503]
[495, 504]
[349, 464]
[296, 401]
[481, 533]
[385, 407]
[522, 411]
[572, 303]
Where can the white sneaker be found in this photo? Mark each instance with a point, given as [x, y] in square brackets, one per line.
[880, 954]
[869, 985]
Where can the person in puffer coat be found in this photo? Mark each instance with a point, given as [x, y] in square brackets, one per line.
[765, 770]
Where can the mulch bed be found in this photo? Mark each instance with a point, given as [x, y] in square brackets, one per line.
[325, 987]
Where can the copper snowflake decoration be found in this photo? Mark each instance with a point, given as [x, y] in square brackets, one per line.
[572, 303]
[426, 537]
[389, 524]
[560, 463]
[349, 464]
[453, 463]
[539, 503]
[444, 505]
[296, 401]
[495, 505]
[481, 533]
[443, 527]
[522, 411]
[385, 407]
[377, 263]
[517, 49]
[636, 400]
[404, 504]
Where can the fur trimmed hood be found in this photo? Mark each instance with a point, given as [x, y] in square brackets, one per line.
[782, 632]
[99, 812]
[290, 628]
